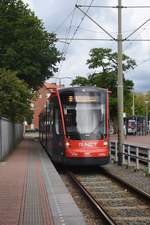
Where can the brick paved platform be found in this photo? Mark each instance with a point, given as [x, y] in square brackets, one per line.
[31, 191]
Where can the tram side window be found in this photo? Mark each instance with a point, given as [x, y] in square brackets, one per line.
[58, 122]
[57, 118]
[48, 122]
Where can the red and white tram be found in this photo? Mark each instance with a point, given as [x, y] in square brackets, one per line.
[74, 126]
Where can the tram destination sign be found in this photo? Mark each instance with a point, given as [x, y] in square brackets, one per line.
[84, 98]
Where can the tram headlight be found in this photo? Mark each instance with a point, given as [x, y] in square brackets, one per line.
[105, 143]
[67, 144]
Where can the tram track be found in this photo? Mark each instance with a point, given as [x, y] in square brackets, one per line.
[115, 200]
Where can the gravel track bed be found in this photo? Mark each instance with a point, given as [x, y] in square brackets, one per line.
[123, 206]
[136, 178]
[121, 202]
[90, 215]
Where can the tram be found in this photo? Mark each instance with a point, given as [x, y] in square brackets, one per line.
[74, 126]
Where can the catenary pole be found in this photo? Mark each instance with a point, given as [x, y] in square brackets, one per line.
[120, 91]
[120, 86]
[133, 103]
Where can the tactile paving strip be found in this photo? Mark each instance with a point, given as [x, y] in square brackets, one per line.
[63, 207]
[32, 212]
[35, 209]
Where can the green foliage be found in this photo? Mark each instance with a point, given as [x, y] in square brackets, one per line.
[140, 106]
[106, 61]
[14, 97]
[147, 98]
[25, 45]
[81, 81]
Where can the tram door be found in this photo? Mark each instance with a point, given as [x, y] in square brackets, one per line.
[57, 133]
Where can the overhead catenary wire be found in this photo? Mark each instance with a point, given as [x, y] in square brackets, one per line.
[138, 28]
[85, 39]
[85, 13]
[113, 6]
[66, 47]
[68, 33]
[82, 19]
[134, 40]
[63, 22]
[126, 39]
[78, 6]
[139, 64]
[131, 40]
[66, 44]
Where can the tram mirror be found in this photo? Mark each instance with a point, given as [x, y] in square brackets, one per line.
[65, 111]
[110, 92]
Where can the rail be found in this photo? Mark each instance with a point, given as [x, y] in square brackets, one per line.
[135, 154]
[118, 201]
[100, 209]
[10, 135]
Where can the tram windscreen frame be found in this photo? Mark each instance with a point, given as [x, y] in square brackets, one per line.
[84, 114]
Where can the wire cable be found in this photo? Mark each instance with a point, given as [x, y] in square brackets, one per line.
[139, 64]
[137, 29]
[66, 44]
[82, 19]
[61, 24]
[66, 47]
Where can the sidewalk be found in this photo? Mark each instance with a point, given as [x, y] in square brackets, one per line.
[133, 139]
[31, 190]
[21, 187]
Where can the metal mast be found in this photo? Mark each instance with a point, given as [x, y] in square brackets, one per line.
[119, 39]
[120, 86]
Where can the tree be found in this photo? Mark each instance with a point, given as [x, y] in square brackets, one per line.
[14, 97]
[106, 61]
[140, 105]
[82, 81]
[25, 45]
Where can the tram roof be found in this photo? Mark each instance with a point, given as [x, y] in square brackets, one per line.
[87, 88]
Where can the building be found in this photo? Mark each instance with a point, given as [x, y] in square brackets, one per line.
[39, 103]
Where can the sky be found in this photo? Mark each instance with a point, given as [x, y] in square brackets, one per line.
[61, 17]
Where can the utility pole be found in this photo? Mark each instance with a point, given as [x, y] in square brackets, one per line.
[120, 87]
[119, 41]
[61, 78]
[133, 103]
[146, 115]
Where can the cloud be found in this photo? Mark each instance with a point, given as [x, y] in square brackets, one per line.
[30, 3]
[53, 13]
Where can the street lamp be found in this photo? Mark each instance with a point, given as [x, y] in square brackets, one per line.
[61, 78]
[146, 114]
[133, 103]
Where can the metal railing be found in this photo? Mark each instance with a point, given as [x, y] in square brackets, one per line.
[10, 135]
[138, 155]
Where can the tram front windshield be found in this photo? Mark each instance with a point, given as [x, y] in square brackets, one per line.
[85, 115]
